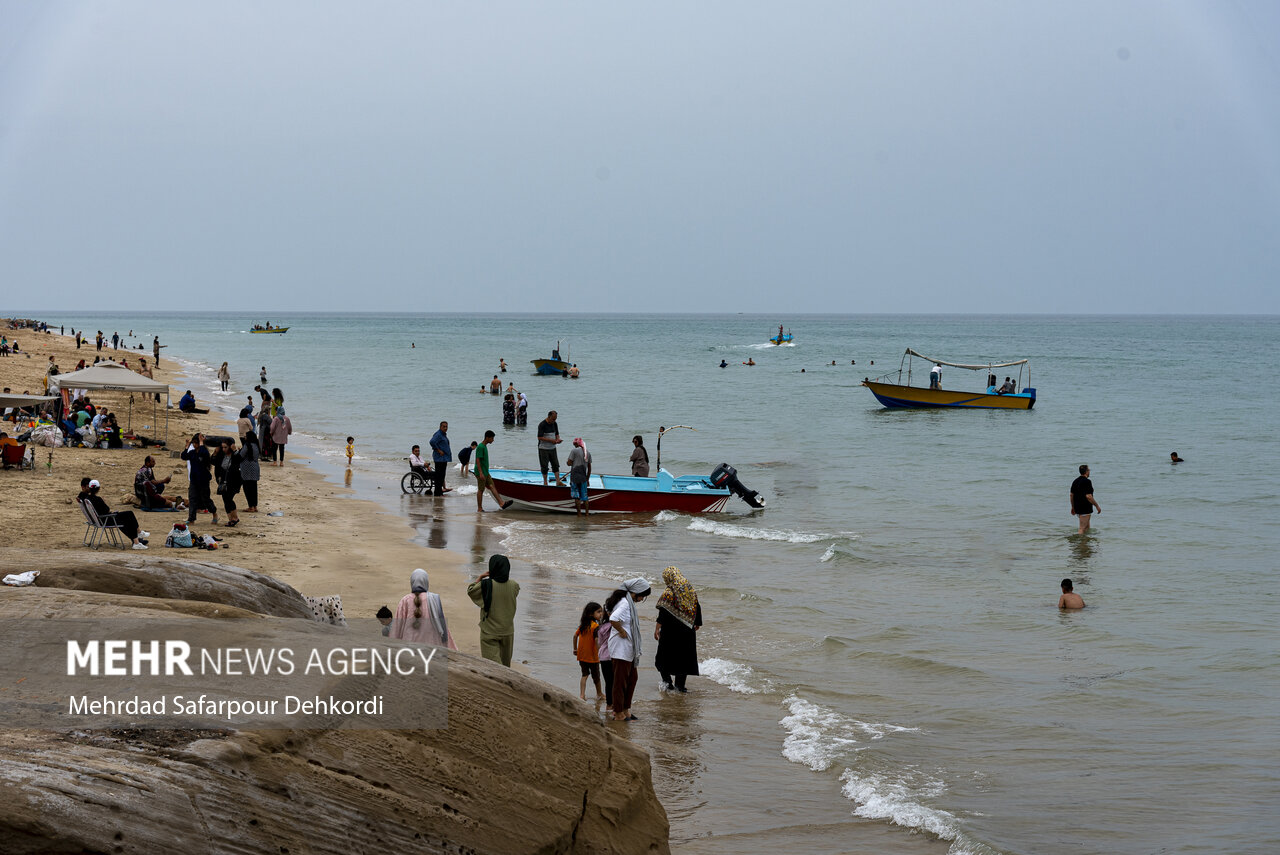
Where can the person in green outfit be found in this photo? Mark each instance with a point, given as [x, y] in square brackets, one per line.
[483, 479]
[496, 596]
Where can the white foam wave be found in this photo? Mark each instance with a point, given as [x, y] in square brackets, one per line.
[730, 530]
[829, 554]
[734, 675]
[899, 799]
[816, 736]
[666, 516]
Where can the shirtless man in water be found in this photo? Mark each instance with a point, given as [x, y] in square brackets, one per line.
[1069, 599]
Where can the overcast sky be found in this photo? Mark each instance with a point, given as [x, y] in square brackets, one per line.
[849, 156]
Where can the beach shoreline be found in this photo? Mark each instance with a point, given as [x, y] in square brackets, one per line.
[327, 542]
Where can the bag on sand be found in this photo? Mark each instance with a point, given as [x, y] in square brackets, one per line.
[179, 537]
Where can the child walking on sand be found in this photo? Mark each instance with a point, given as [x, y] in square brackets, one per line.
[584, 647]
[351, 449]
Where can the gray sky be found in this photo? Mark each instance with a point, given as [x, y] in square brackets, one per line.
[713, 156]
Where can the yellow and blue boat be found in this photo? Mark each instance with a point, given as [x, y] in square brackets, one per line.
[900, 395]
[258, 329]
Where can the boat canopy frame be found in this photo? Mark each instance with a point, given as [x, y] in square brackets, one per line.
[986, 366]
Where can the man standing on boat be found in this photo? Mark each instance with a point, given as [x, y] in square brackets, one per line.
[935, 377]
[548, 439]
[1082, 501]
[441, 454]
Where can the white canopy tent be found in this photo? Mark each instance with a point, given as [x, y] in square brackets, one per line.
[114, 377]
[8, 400]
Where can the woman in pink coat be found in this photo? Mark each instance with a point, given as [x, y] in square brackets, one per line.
[281, 427]
[420, 615]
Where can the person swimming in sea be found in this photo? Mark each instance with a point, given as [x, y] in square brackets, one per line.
[749, 361]
[1174, 458]
[724, 364]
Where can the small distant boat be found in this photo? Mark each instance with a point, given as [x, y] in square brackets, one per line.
[781, 337]
[555, 366]
[258, 328]
[900, 395]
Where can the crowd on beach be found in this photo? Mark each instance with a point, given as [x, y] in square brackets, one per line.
[607, 643]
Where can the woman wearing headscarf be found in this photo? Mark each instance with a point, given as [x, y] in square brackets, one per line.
[495, 594]
[639, 458]
[420, 615]
[679, 616]
[624, 645]
[244, 424]
[250, 469]
[281, 427]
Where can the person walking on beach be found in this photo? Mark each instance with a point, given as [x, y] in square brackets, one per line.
[1069, 599]
[441, 455]
[585, 649]
[155, 350]
[250, 470]
[1081, 498]
[579, 463]
[639, 458]
[679, 616]
[484, 481]
[226, 469]
[602, 650]
[624, 645]
[281, 428]
[351, 449]
[420, 615]
[198, 498]
[548, 439]
[495, 594]
[224, 376]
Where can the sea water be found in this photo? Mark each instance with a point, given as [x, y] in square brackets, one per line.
[884, 666]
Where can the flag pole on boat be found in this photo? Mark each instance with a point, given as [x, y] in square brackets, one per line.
[661, 431]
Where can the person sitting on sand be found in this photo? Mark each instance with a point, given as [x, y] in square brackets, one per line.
[148, 488]
[1174, 458]
[420, 615]
[187, 404]
[127, 522]
[1069, 599]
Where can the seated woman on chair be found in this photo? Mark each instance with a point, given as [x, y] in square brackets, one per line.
[125, 519]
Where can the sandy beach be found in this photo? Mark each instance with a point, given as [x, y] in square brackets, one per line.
[325, 542]
[558, 780]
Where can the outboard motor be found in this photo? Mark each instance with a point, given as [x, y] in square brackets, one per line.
[726, 477]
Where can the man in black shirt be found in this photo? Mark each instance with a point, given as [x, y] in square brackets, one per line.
[548, 439]
[1082, 501]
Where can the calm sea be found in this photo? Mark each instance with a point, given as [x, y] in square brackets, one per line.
[885, 667]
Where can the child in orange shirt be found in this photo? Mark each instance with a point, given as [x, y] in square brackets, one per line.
[584, 648]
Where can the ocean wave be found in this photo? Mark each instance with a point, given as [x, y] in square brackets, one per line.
[780, 535]
[818, 736]
[666, 516]
[829, 554]
[733, 675]
[900, 799]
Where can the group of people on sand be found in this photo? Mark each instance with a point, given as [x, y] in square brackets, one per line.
[607, 643]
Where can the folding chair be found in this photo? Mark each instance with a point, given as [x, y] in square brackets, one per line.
[14, 455]
[97, 529]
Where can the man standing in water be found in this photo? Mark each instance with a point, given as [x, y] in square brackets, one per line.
[1082, 501]
[483, 478]
[548, 439]
[441, 454]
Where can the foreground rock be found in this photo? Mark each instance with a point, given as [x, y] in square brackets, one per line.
[522, 768]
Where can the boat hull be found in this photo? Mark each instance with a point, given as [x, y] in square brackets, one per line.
[912, 397]
[280, 330]
[555, 367]
[612, 494]
[786, 339]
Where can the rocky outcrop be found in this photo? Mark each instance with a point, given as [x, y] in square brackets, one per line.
[177, 579]
[521, 768]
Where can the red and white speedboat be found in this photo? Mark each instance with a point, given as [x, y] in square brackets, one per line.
[626, 494]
